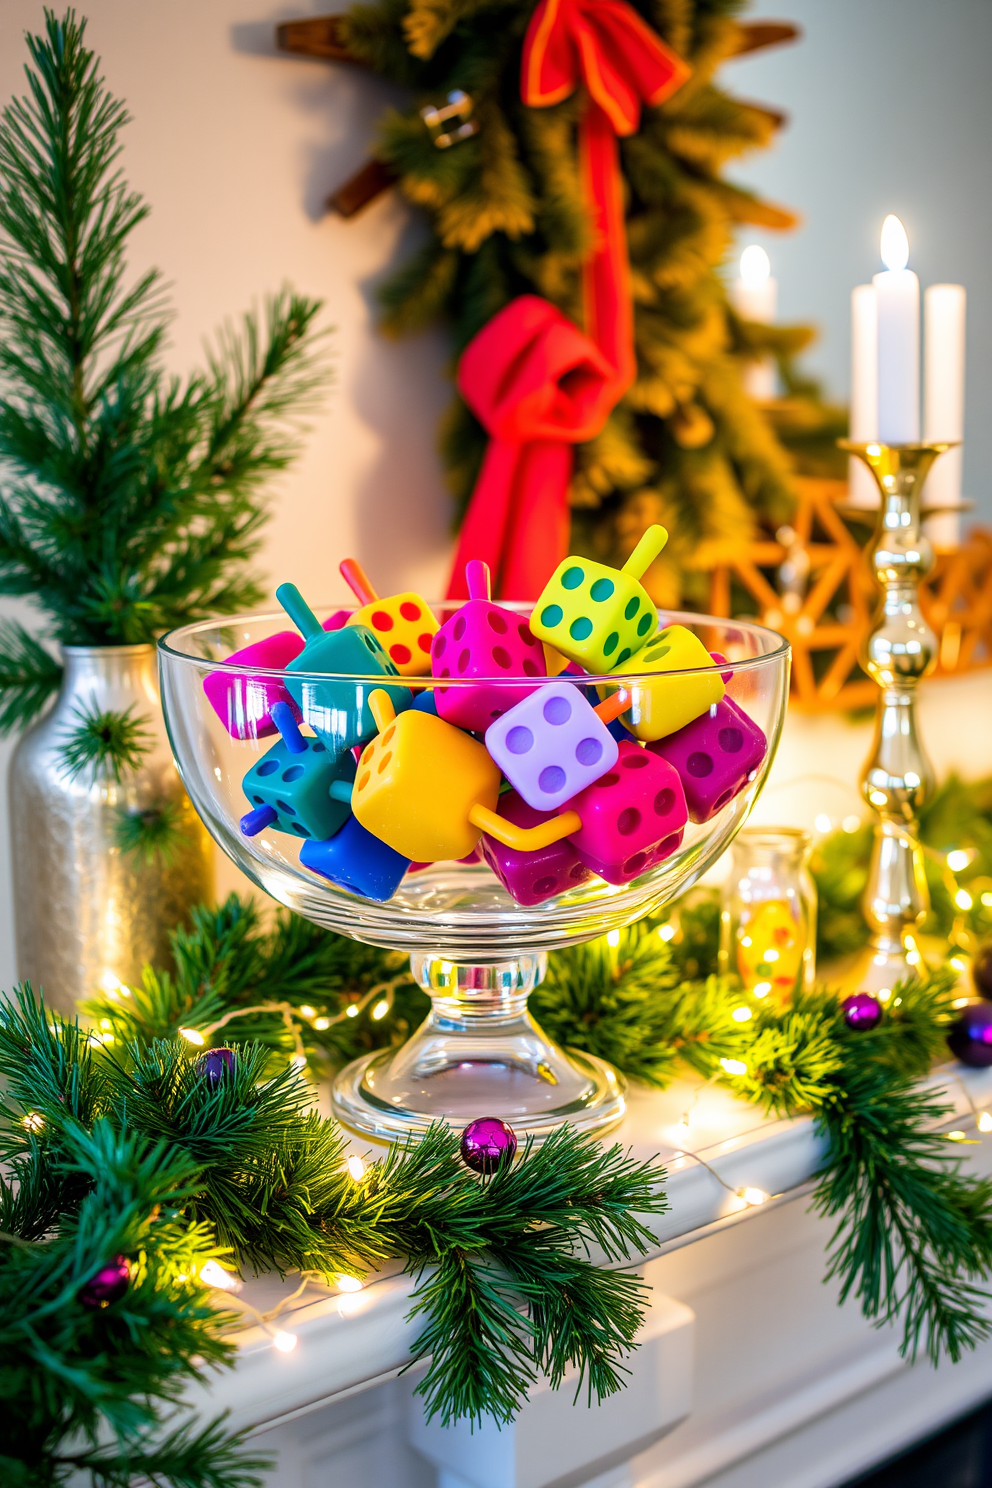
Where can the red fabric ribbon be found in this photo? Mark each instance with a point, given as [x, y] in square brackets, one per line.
[534, 380]
[539, 385]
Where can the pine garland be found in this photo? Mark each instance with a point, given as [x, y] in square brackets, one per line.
[130, 500]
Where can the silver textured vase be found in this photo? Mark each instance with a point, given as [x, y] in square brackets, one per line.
[89, 909]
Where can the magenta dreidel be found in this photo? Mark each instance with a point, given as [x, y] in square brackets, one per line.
[244, 703]
[554, 743]
[298, 786]
[632, 817]
[532, 877]
[483, 640]
[715, 756]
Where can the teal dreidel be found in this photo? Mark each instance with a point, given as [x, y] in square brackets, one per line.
[337, 710]
[298, 786]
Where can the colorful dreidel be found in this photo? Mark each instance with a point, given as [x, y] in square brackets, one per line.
[337, 709]
[486, 641]
[554, 743]
[430, 791]
[532, 877]
[244, 703]
[715, 755]
[355, 860]
[599, 616]
[402, 624]
[632, 817]
[298, 786]
[663, 707]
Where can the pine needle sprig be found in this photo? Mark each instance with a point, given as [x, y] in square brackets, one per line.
[29, 677]
[107, 742]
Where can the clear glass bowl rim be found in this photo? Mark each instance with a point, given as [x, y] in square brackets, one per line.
[169, 645]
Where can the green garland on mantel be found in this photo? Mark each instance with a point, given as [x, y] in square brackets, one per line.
[116, 1145]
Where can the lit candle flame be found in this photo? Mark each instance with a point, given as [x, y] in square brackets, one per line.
[755, 266]
[895, 244]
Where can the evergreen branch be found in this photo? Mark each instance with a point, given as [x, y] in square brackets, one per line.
[108, 742]
[153, 835]
[29, 677]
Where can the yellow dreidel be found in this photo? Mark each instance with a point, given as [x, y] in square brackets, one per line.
[597, 616]
[402, 623]
[429, 791]
[657, 709]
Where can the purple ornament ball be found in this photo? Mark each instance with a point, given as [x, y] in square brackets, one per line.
[971, 1037]
[862, 1011]
[488, 1143]
[215, 1064]
[106, 1285]
[981, 970]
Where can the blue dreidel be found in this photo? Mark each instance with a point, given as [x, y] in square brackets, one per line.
[337, 709]
[355, 860]
[298, 786]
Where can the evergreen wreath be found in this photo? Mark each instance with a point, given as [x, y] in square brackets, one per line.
[130, 500]
[508, 216]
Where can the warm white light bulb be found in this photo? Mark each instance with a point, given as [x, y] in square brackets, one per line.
[380, 1010]
[666, 932]
[213, 1275]
[958, 859]
[284, 1342]
[349, 1284]
[985, 1121]
[753, 1196]
[356, 1167]
[734, 1066]
[823, 823]
[192, 1036]
[755, 266]
[613, 938]
[895, 244]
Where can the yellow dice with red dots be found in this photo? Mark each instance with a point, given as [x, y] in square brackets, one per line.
[404, 627]
[418, 782]
[660, 708]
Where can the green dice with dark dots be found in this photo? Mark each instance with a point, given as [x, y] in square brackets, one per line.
[296, 786]
[596, 616]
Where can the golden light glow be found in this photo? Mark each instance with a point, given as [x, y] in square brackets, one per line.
[756, 266]
[851, 823]
[349, 1284]
[34, 1121]
[666, 932]
[321, 1023]
[753, 1196]
[380, 1010]
[613, 938]
[193, 1036]
[957, 963]
[894, 243]
[741, 1014]
[823, 823]
[356, 1167]
[958, 859]
[213, 1275]
[284, 1342]
[734, 1066]
[985, 1121]
[352, 1011]
[963, 899]
[761, 989]
[308, 1012]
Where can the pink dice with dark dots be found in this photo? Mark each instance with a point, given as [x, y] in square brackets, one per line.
[632, 817]
[532, 877]
[482, 640]
[244, 703]
[715, 756]
[551, 745]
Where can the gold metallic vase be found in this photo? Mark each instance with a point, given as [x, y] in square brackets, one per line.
[901, 649]
[89, 911]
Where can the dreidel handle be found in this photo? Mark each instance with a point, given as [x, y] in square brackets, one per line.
[612, 706]
[285, 721]
[646, 552]
[357, 580]
[382, 709]
[299, 611]
[524, 839]
[477, 579]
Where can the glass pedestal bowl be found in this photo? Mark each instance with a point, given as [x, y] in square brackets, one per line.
[475, 950]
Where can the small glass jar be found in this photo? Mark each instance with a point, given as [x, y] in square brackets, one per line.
[768, 917]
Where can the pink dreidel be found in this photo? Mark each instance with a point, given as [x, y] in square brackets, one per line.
[483, 640]
[632, 817]
[244, 703]
[532, 877]
[715, 755]
[554, 743]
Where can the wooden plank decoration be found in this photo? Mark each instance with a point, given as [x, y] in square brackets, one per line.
[812, 583]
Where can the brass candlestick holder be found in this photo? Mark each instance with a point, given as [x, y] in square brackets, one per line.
[901, 649]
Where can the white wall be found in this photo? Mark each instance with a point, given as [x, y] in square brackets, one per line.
[236, 148]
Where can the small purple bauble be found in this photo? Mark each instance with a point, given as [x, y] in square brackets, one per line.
[862, 1011]
[971, 1037]
[106, 1285]
[215, 1064]
[488, 1143]
[981, 970]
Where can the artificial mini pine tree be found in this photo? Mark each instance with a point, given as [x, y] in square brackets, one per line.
[509, 215]
[130, 500]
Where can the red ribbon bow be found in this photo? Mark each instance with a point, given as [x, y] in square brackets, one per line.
[539, 385]
[516, 374]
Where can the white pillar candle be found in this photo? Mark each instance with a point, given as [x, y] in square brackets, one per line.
[755, 297]
[897, 296]
[943, 404]
[862, 490]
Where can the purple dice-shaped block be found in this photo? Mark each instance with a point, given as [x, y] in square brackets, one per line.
[633, 817]
[532, 877]
[244, 703]
[483, 640]
[551, 745]
[715, 755]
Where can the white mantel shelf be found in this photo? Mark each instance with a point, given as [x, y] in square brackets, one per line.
[751, 1277]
